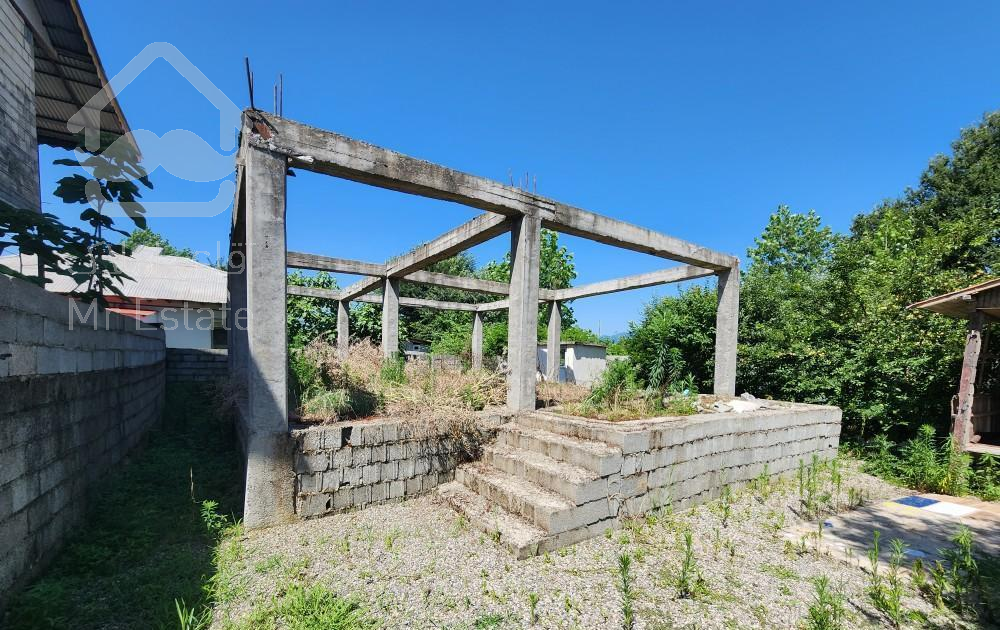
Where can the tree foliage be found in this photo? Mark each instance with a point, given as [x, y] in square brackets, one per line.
[149, 238]
[824, 317]
[311, 318]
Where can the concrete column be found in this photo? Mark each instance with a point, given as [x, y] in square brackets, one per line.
[522, 320]
[477, 341]
[390, 318]
[343, 329]
[727, 319]
[269, 473]
[554, 339]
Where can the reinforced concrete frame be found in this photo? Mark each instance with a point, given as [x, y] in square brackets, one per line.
[259, 261]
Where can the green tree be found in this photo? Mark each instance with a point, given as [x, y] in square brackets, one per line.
[676, 338]
[112, 171]
[789, 312]
[149, 238]
[311, 318]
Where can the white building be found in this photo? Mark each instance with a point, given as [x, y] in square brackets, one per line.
[185, 297]
[580, 363]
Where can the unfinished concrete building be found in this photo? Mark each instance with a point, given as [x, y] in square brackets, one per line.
[555, 479]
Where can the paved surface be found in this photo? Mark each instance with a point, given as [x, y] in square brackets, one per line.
[925, 522]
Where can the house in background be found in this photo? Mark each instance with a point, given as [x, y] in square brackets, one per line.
[187, 298]
[579, 362]
[49, 71]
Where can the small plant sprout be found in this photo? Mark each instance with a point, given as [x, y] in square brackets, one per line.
[826, 612]
[533, 608]
[624, 571]
[726, 504]
[689, 580]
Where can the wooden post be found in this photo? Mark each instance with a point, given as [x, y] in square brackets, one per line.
[962, 429]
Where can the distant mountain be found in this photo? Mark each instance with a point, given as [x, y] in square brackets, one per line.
[618, 336]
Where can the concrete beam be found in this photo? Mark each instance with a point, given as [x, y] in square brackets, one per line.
[299, 260]
[327, 152]
[390, 319]
[343, 329]
[439, 305]
[269, 475]
[522, 319]
[329, 294]
[553, 343]
[638, 281]
[316, 292]
[477, 341]
[361, 287]
[469, 234]
[727, 320]
[498, 305]
[458, 282]
[331, 153]
[596, 227]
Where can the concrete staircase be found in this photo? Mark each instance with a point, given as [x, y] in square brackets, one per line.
[538, 489]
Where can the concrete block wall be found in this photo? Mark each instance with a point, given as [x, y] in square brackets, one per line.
[187, 365]
[687, 461]
[73, 404]
[19, 157]
[353, 464]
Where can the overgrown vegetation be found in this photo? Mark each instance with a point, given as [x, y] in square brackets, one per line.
[619, 395]
[932, 464]
[145, 541]
[364, 384]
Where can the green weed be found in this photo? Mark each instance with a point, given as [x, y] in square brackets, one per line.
[826, 612]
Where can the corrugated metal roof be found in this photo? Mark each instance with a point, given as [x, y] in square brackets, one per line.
[154, 277]
[68, 71]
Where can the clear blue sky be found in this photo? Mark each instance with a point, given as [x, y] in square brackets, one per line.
[695, 119]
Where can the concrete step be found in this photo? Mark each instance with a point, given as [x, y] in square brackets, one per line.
[521, 538]
[594, 456]
[579, 485]
[537, 505]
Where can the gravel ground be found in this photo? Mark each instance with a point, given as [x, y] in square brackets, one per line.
[418, 565]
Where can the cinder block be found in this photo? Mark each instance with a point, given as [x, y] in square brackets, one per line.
[380, 492]
[397, 489]
[362, 495]
[371, 474]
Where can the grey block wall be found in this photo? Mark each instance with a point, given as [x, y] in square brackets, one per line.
[186, 365]
[73, 404]
[353, 464]
[19, 157]
[687, 461]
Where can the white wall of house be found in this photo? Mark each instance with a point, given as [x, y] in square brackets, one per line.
[584, 363]
[186, 327]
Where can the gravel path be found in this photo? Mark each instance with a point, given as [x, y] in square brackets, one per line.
[417, 565]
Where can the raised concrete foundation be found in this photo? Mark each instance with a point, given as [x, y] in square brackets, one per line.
[560, 479]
